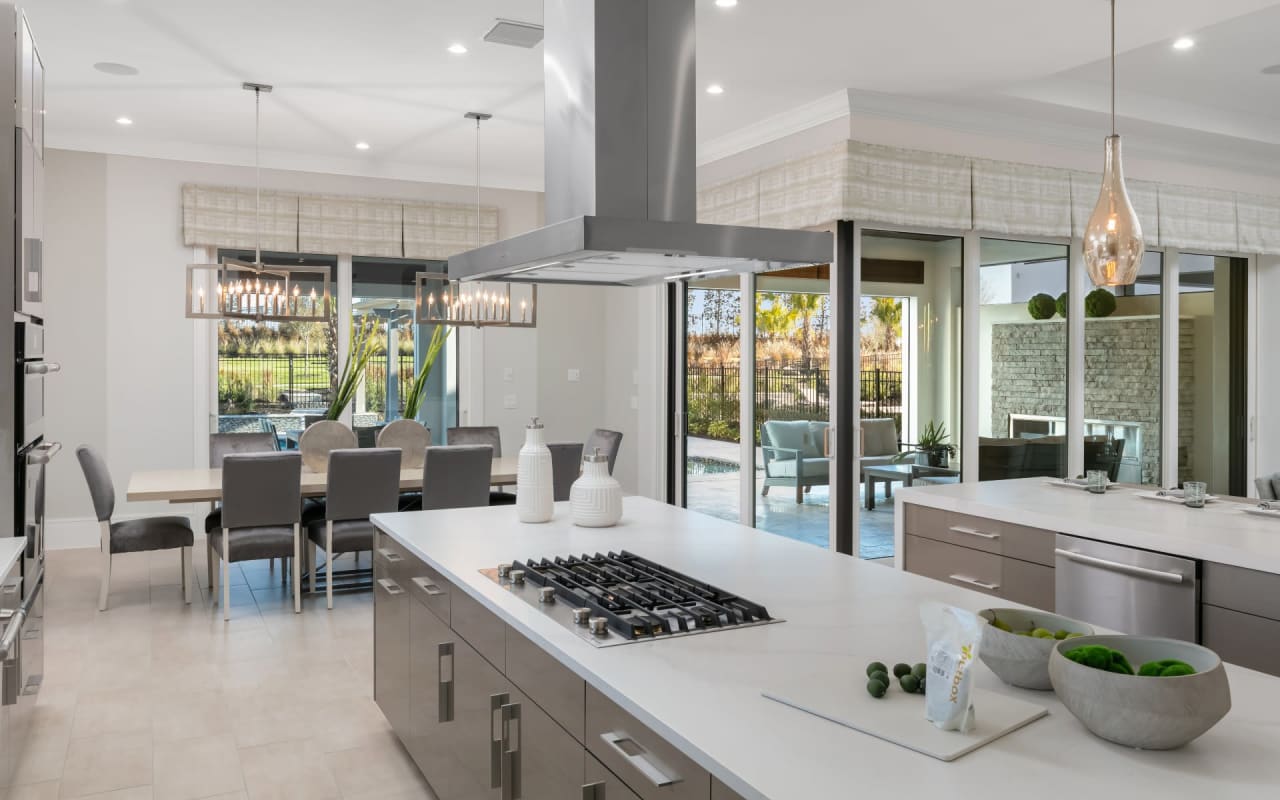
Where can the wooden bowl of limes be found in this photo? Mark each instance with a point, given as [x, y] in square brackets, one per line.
[1017, 642]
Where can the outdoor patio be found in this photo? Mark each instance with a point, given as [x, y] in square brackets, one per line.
[713, 490]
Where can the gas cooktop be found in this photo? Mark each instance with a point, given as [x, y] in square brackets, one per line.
[622, 598]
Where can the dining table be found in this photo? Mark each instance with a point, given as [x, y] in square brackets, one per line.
[204, 485]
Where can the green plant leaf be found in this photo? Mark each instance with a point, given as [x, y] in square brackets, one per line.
[417, 393]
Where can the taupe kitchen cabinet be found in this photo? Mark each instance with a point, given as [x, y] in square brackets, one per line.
[650, 766]
[603, 784]
[1240, 616]
[391, 610]
[1002, 559]
[721, 792]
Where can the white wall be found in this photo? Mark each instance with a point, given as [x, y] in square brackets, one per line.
[129, 387]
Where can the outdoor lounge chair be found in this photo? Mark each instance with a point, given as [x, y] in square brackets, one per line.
[793, 455]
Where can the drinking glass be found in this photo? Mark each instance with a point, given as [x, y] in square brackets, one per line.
[1096, 481]
[1193, 493]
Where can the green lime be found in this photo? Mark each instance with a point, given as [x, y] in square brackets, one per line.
[876, 666]
[999, 624]
[919, 670]
[909, 683]
[901, 669]
[883, 677]
[877, 688]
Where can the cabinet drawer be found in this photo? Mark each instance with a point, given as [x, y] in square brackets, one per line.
[956, 565]
[721, 792]
[650, 766]
[1240, 589]
[1027, 583]
[603, 784]
[392, 556]
[480, 627]
[980, 533]
[1243, 639]
[547, 682]
[427, 586]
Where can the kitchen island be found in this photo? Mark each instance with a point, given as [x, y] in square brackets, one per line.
[691, 706]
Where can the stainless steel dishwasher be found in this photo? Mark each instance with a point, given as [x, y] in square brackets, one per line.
[1126, 589]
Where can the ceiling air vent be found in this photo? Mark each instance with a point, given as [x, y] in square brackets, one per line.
[516, 34]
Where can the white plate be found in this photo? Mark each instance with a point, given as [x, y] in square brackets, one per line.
[1262, 512]
[1209, 498]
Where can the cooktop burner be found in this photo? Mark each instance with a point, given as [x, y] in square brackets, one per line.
[621, 598]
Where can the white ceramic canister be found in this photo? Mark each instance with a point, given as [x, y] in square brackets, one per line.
[535, 486]
[595, 498]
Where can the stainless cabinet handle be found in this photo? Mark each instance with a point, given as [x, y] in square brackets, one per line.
[42, 368]
[636, 756]
[511, 752]
[427, 586]
[1124, 569]
[593, 791]
[445, 650]
[44, 452]
[990, 587]
[10, 638]
[390, 587]
[496, 702]
[973, 532]
[390, 555]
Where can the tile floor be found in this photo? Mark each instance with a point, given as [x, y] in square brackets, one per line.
[157, 700]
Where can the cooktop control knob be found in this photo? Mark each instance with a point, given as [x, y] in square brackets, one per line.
[581, 616]
[599, 627]
[517, 576]
[546, 594]
[504, 570]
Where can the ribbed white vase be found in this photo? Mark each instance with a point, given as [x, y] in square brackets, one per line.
[535, 486]
[595, 499]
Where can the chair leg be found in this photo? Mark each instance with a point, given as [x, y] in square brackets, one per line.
[799, 493]
[297, 575]
[310, 549]
[284, 571]
[226, 575]
[328, 564]
[105, 544]
[765, 491]
[188, 574]
[209, 575]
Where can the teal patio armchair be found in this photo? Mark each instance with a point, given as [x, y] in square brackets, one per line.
[794, 455]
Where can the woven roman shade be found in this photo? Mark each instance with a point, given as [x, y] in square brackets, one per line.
[440, 230]
[913, 188]
[1198, 219]
[354, 225]
[1021, 199]
[223, 216]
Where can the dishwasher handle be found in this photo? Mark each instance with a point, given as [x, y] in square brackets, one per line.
[1124, 569]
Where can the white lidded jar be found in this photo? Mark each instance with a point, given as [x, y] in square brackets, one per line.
[535, 486]
[595, 499]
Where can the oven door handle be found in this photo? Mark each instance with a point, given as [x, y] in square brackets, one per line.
[42, 368]
[41, 454]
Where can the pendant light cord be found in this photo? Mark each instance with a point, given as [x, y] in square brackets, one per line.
[257, 175]
[1113, 67]
[477, 170]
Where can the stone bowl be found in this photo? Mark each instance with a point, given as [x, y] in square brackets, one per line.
[1023, 661]
[1145, 713]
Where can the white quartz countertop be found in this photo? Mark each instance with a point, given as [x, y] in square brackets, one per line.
[702, 693]
[1219, 532]
[10, 551]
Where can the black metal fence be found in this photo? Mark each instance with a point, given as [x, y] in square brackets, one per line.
[785, 393]
[265, 382]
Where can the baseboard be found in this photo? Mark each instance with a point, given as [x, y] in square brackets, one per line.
[78, 532]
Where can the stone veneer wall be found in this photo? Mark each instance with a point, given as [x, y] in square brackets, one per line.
[1122, 376]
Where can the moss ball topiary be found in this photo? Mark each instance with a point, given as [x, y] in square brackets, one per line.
[1041, 306]
[1099, 303]
[1061, 305]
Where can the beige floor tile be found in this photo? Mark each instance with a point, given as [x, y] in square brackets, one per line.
[106, 763]
[134, 793]
[376, 770]
[194, 768]
[229, 796]
[47, 790]
[286, 770]
[180, 715]
[112, 711]
[45, 751]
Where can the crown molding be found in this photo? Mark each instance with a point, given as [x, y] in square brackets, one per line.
[770, 129]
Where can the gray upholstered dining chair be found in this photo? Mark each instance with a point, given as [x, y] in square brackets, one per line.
[221, 445]
[607, 441]
[132, 535]
[485, 435]
[566, 466]
[261, 515]
[1268, 486]
[456, 476]
[358, 483]
[410, 437]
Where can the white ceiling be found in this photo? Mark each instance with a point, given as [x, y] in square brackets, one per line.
[378, 71]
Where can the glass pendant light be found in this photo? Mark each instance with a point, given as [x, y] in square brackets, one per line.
[1113, 244]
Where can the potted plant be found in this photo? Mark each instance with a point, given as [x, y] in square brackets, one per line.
[418, 391]
[931, 445]
[364, 344]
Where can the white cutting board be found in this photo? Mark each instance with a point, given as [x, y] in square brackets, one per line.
[898, 717]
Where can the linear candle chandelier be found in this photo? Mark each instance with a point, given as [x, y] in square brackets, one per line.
[480, 304]
[237, 289]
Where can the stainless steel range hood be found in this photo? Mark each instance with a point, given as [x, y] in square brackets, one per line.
[621, 198]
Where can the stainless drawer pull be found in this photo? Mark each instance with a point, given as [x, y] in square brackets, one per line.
[390, 587]
[636, 756]
[593, 791]
[1125, 569]
[496, 702]
[43, 368]
[445, 650]
[990, 587]
[10, 638]
[427, 586]
[390, 555]
[967, 531]
[511, 752]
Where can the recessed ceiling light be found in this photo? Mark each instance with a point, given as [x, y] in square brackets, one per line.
[715, 88]
[125, 121]
[1184, 43]
[457, 48]
[362, 145]
[114, 68]
[726, 3]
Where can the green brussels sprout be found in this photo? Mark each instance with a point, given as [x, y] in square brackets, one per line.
[1041, 306]
[1042, 633]
[883, 677]
[909, 683]
[877, 688]
[1099, 303]
[901, 669]
[876, 666]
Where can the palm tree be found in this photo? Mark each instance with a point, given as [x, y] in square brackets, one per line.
[773, 317]
[805, 306]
